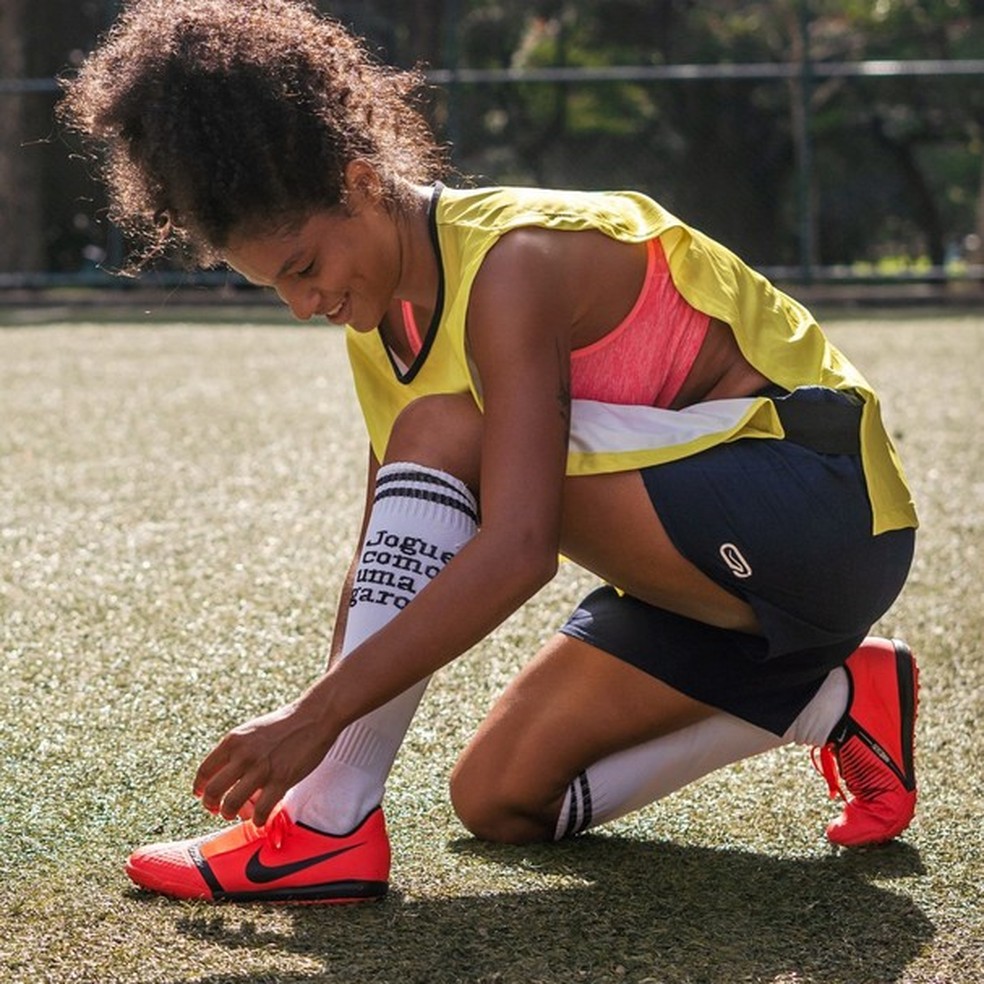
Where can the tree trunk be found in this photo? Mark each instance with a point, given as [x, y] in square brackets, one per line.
[925, 211]
[21, 227]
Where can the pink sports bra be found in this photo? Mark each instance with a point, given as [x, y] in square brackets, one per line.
[646, 358]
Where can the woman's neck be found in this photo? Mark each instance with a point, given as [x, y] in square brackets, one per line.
[418, 260]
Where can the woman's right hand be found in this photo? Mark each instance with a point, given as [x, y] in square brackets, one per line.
[252, 767]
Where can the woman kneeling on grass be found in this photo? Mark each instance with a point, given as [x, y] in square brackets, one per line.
[540, 372]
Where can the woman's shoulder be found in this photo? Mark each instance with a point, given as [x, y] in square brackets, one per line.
[493, 211]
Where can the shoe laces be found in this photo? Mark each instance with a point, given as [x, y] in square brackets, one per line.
[275, 829]
[824, 759]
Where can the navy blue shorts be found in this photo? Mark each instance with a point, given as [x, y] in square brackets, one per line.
[787, 529]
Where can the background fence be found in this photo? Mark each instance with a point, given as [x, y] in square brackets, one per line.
[823, 141]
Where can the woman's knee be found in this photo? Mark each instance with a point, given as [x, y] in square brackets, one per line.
[442, 431]
[493, 806]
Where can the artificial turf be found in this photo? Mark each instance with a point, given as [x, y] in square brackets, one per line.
[177, 507]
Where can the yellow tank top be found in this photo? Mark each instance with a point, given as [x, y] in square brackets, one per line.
[775, 333]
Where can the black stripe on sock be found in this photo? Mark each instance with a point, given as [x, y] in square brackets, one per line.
[418, 476]
[435, 497]
[586, 802]
[571, 828]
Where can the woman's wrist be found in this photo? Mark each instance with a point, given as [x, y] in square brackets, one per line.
[319, 704]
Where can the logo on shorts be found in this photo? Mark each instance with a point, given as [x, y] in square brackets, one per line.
[737, 564]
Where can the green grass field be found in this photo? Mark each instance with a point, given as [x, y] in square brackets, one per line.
[177, 504]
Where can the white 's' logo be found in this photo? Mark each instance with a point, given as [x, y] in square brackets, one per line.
[737, 564]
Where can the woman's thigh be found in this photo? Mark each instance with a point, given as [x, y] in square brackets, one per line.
[571, 706]
[611, 528]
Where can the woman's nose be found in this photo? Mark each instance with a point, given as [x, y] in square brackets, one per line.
[302, 301]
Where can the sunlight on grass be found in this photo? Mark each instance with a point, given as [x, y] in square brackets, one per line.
[177, 504]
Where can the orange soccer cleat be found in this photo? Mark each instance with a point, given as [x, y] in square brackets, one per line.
[868, 760]
[283, 861]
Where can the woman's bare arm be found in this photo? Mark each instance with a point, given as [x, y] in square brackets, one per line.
[519, 332]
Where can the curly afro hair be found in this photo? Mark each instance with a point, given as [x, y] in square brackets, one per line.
[214, 117]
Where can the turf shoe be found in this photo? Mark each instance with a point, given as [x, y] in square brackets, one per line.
[868, 759]
[283, 861]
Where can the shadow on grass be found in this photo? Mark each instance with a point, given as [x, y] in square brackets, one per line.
[635, 912]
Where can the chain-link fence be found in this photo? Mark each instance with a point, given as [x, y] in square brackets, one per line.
[815, 169]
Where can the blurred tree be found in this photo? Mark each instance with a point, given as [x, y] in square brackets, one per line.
[21, 239]
[897, 162]
[897, 155]
[717, 151]
[43, 224]
[891, 156]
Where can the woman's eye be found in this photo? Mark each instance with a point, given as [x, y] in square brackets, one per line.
[307, 270]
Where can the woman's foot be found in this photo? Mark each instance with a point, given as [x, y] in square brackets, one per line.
[283, 861]
[868, 760]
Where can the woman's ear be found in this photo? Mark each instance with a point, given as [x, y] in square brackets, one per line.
[363, 185]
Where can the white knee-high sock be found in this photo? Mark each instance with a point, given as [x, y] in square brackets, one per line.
[635, 777]
[420, 519]
[819, 718]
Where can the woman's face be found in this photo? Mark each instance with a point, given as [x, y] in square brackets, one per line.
[343, 265]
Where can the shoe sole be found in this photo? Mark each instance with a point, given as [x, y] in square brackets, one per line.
[908, 676]
[334, 893]
[331, 893]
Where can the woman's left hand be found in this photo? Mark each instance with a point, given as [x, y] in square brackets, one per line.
[252, 767]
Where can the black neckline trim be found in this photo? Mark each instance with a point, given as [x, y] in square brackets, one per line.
[431, 333]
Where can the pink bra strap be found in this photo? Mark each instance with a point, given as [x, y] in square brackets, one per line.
[410, 325]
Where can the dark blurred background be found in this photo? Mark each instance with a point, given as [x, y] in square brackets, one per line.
[823, 141]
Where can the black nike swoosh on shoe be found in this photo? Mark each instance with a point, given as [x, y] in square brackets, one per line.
[261, 874]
